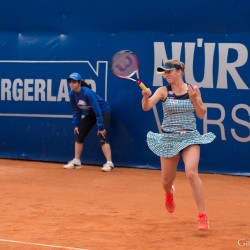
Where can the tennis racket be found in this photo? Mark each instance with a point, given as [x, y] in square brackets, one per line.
[124, 64]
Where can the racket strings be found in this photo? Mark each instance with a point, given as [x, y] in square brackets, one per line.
[124, 64]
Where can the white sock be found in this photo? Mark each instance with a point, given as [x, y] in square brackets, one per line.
[77, 161]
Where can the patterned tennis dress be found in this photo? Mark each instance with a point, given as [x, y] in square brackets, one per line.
[178, 127]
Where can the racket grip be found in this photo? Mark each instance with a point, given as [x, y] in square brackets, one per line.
[141, 85]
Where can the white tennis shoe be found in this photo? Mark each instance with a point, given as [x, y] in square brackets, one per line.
[108, 166]
[73, 165]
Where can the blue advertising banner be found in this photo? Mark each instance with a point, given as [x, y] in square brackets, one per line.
[48, 40]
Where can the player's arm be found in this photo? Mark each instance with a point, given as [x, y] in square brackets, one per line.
[149, 102]
[195, 97]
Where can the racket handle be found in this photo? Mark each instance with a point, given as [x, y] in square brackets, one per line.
[141, 85]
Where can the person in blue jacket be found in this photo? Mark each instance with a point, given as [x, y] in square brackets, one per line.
[96, 110]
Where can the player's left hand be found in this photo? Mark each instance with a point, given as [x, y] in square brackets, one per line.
[193, 92]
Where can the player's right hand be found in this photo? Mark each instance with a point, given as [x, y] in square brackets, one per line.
[147, 93]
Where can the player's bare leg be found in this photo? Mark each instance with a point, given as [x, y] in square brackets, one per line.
[191, 156]
[168, 170]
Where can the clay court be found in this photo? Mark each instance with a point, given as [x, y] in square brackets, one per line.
[44, 206]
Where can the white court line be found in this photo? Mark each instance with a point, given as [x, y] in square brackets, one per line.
[43, 245]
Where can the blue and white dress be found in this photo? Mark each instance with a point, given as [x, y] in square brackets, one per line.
[179, 116]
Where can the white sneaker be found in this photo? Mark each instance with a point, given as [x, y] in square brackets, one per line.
[108, 166]
[73, 164]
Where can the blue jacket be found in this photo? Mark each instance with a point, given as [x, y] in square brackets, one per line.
[87, 102]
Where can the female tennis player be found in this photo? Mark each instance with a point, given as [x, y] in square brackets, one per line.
[181, 102]
[86, 102]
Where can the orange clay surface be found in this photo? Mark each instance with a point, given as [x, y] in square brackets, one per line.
[44, 206]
